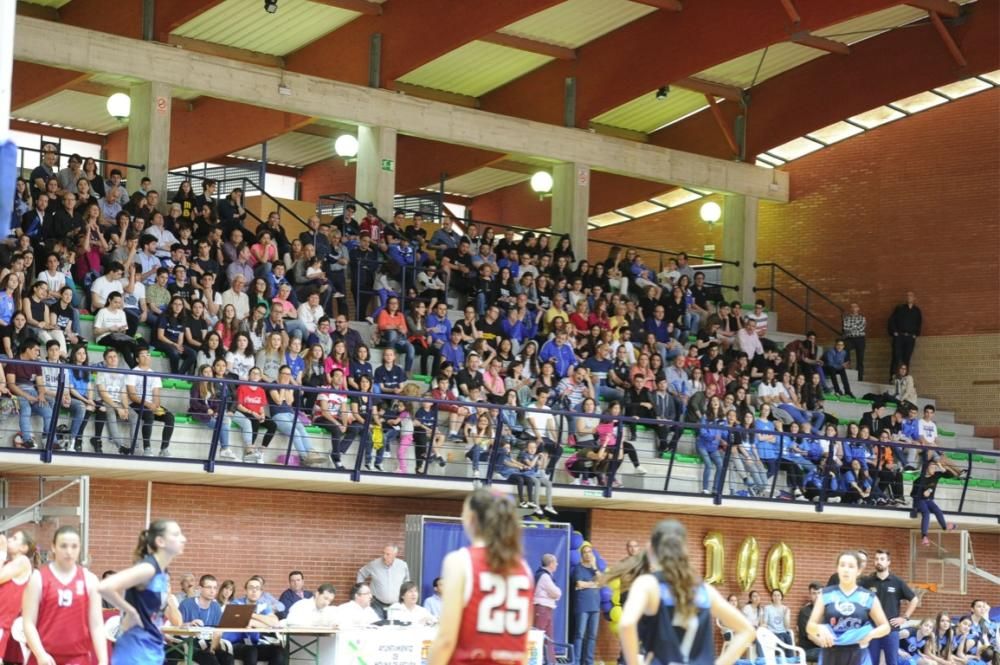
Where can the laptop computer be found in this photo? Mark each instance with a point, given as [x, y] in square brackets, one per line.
[236, 616]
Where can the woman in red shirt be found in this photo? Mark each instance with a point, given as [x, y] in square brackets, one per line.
[251, 402]
[63, 622]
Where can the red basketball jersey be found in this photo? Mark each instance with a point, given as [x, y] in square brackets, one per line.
[497, 615]
[10, 609]
[63, 624]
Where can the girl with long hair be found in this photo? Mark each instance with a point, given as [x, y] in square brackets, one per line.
[846, 617]
[251, 401]
[61, 608]
[474, 628]
[21, 555]
[683, 607]
[141, 592]
[80, 394]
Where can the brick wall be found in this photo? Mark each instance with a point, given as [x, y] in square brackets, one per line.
[234, 533]
[911, 205]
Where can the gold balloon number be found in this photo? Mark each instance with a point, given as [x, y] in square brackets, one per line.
[780, 568]
[747, 559]
[715, 557]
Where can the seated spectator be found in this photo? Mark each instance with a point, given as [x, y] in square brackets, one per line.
[835, 364]
[408, 610]
[314, 611]
[144, 396]
[358, 611]
[169, 338]
[391, 325]
[203, 611]
[249, 647]
[27, 383]
[284, 403]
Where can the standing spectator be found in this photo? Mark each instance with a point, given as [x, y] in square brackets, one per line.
[27, 384]
[586, 605]
[295, 592]
[547, 595]
[904, 328]
[835, 364]
[811, 648]
[889, 589]
[855, 325]
[386, 575]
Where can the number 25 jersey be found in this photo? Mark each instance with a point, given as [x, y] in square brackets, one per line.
[497, 614]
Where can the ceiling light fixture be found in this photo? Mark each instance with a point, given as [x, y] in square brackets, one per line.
[346, 147]
[541, 183]
[662, 93]
[711, 212]
[271, 6]
[119, 106]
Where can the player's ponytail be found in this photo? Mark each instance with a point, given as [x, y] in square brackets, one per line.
[498, 524]
[669, 544]
[32, 553]
[147, 539]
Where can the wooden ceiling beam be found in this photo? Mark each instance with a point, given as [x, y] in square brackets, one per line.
[360, 6]
[793, 13]
[242, 55]
[729, 92]
[670, 5]
[942, 7]
[530, 45]
[821, 43]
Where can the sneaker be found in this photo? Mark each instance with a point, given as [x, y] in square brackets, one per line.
[147, 452]
[524, 505]
[925, 541]
[96, 444]
[833, 499]
[640, 471]
[706, 491]
[124, 450]
[617, 483]
[538, 511]
[164, 452]
[441, 461]
[339, 467]
[228, 454]
[475, 474]
[797, 493]
[78, 446]
[338, 294]
[551, 511]
[585, 482]
[378, 467]
[368, 466]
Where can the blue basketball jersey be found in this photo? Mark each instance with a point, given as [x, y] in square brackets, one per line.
[689, 642]
[143, 644]
[847, 616]
[915, 644]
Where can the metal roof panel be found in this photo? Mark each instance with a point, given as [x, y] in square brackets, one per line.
[482, 181]
[244, 24]
[73, 110]
[647, 113]
[475, 68]
[575, 22]
[292, 149]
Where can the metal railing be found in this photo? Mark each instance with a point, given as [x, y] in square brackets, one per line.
[816, 307]
[227, 184]
[22, 150]
[599, 460]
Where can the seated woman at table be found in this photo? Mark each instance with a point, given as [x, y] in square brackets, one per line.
[408, 609]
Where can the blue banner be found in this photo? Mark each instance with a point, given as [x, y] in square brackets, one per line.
[8, 182]
[440, 538]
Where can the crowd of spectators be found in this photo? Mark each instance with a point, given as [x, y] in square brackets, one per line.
[226, 297]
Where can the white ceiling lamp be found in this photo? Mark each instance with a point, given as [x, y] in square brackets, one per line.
[346, 147]
[711, 212]
[541, 184]
[119, 106]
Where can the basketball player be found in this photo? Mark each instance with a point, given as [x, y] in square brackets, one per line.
[486, 605]
[683, 607]
[20, 554]
[146, 586]
[61, 609]
[846, 618]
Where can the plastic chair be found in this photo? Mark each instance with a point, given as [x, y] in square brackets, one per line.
[772, 646]
[112, 627]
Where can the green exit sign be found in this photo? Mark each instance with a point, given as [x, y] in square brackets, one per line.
[388, 165]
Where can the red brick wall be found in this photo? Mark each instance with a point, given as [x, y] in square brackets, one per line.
[234, 533]
[912, 205]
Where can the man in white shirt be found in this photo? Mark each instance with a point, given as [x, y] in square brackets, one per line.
[164, 238]
[111, 390]
[759, 317]
[358, 611]
[928, 439]
[310, 312]
[144, 395]
[315, 612]
[237, 298]
[386, 575]
[748, 341]
[542, 425]
[105, 284]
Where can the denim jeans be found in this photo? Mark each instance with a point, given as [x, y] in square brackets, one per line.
[710, 460]
[585, 638]
[78, 417]
[241, 421]
[27, 409]
[287, 424]
[398, 341]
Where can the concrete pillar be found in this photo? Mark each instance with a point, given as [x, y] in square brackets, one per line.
[571, 204]
[8, 13]
[739, 243]
[376, 172]
[149, 134]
